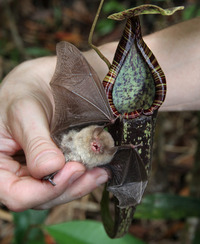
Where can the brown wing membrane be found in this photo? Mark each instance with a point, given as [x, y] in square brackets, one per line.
[129, 177]
[78, 93]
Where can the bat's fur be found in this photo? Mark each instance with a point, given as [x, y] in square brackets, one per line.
[93, 146]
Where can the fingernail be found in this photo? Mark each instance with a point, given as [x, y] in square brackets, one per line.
[102, 178]
[75, 176]
[45, 157]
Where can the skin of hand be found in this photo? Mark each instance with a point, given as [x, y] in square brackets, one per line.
[26, 108]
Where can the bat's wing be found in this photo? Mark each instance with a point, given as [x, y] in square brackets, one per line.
[78, 93]
[129, 177]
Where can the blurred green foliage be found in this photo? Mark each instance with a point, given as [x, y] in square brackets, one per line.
[86, 232]
[29, 227]
[167, 206]
[191, 11]
[37, 52]
[104, 25]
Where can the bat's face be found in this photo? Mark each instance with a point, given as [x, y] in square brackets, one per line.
[95, 145]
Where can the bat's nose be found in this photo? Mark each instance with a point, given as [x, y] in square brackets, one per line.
[96, 147]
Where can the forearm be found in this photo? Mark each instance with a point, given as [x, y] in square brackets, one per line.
[178, 52]
[176, 48]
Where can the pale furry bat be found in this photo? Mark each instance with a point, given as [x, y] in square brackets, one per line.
[81, 113]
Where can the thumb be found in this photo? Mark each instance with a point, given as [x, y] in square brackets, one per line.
[30, 128]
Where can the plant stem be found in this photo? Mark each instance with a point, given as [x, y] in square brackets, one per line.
[14, 31]
[91, 35]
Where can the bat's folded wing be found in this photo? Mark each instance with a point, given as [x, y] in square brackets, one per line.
[129, 177]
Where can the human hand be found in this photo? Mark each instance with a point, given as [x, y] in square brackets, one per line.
[26, 108]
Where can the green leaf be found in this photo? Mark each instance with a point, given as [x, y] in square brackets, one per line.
[166, 206]
[144, 9]
[85, 232]
[27, 226]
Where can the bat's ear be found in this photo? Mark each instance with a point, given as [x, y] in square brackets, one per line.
[112, 150]
[97, 131]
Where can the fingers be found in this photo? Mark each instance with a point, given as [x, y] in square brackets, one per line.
[21, 193]
[7, 163]
[78, 188]
[29, 126]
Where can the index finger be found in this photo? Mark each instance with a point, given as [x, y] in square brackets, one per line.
[21, 193]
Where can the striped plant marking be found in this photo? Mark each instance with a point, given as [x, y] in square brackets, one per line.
[132, 36]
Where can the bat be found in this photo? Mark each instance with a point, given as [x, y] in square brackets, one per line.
[81, 112]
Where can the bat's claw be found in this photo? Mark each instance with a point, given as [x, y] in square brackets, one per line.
[51, 181]
[135, 146]
[50, 178]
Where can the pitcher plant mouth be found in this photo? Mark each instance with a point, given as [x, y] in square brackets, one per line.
[132, 36]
